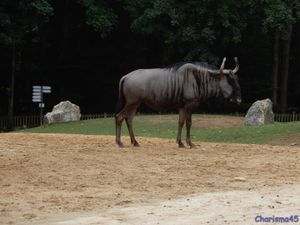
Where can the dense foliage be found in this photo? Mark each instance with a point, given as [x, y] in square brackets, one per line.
[82, 47]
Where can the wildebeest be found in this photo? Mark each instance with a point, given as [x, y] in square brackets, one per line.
[183, 85]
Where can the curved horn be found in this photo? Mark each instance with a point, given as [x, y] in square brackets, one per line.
[222, 65]
[236, 65]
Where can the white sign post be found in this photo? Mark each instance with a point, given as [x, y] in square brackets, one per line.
[37, 97]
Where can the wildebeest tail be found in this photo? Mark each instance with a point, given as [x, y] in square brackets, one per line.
[121, 100]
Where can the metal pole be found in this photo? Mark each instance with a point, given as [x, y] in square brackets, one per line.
[41, 106]
[41, 116]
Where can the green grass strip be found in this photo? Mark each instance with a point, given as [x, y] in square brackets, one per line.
[165, 126]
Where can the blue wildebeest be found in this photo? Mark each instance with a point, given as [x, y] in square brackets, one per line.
[183, 85]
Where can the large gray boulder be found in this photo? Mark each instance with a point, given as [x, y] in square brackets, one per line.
[63, 112]
[260, 113]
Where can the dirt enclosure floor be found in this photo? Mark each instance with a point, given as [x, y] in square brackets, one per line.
[76, 179]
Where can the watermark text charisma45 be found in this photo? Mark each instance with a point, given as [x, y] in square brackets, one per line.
[277, 219]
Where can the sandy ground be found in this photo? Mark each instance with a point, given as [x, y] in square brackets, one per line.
[78, 179]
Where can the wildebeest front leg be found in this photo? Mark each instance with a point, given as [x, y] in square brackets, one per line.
[129, 120]
[182, 118]
[188, 129]
[118, 120]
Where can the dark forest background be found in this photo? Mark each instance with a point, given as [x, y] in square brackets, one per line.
[81, 48]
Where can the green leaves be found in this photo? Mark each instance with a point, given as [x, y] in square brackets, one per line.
[99, 16]
[189, 24]
[42, 8]
[19, 18]
[278, 14]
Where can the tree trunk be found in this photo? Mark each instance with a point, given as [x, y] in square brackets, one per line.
[275, 68]
[296, 80]
[285, 69]
[12, 88]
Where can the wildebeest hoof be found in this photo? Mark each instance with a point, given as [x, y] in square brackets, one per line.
[193, 146]
[136, 144]
[120, 145]
[181, 145]
[190, 144]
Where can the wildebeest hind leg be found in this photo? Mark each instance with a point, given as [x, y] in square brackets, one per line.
[118, 120]
[182, 118]
[129, 118]
[188, 129]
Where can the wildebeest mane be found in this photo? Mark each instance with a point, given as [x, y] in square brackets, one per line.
[176, 66]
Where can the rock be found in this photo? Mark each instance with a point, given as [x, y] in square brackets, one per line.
[241, 179]
[63, 112]
[260, 113]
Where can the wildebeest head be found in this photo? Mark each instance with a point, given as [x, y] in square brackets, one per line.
[229, 84]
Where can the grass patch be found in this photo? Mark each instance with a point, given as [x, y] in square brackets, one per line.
[165, 126]
[248, 135]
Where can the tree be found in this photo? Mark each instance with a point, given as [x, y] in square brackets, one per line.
[99, 15]
[18, 19]
[197, 29]
[296, 77]
[280, 15]
[88, 39]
